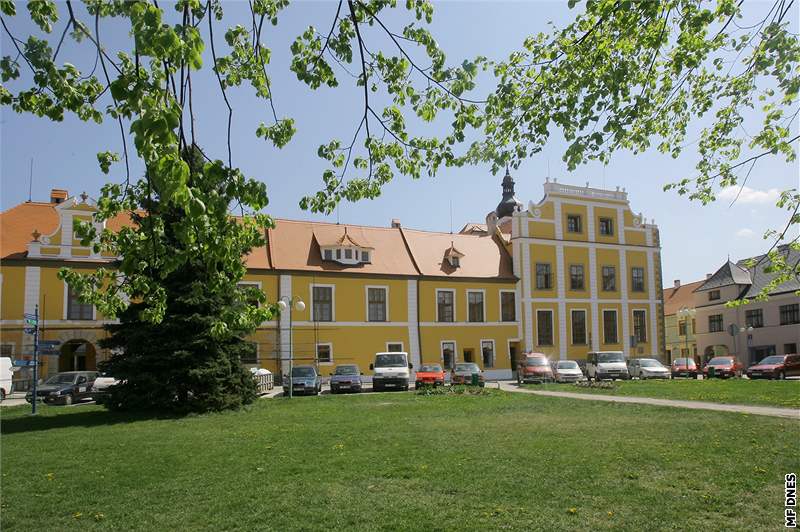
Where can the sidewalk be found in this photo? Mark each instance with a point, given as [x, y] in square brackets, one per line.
[787, 413]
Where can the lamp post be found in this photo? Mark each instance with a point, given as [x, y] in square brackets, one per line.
[291, 303]
[686, 313]
[748, 330]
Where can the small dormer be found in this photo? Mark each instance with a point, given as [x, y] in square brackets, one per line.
[345, 250]
[453, 256]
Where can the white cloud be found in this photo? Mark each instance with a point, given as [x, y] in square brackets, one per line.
[745, 233]
[749, 195]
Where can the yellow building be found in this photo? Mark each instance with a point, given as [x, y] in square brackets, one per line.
[680, 330]
[575, 272]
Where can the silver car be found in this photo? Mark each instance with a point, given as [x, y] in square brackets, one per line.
[648, 368]
[567, 371]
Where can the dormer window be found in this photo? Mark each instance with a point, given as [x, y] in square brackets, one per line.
[342, 247]
[365, 256]
[328, 254]
[348, 254]
[455, 262]
[453, 256]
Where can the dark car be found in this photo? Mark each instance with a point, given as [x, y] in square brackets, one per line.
[346, 378]
[304, 381]
[65, 388]
[723, 367]
[467, 373]
[684, 367]
[775, 367]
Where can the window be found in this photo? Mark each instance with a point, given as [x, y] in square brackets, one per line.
[610, 327]
[508, 307]
[606, 226]
[790, 314]
[324, 353]
[694, 325]
[715, 323]
[574, 223]
[789, 349]
[328, 254]
[338, 254]
[322, 303]
[475, 303]
[609, 279]
[754, 318]
[251, 299]
[251, 355]
[544, 326]
[543, 276]
[348, 254]
[487, 348]
[76, 310]
[448, 355]
[579, 327]
[640, 326]
[394, 347]
[637, 279]
[444, 305]
[576, 277]
[376, 301]
[7, 350]
[365, 256]
[713, 295]
[682, 328]
[455, 262]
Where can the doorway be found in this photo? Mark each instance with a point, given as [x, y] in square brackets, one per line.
[77, 355]
[513, 354]
[448, 355]
[469, 355]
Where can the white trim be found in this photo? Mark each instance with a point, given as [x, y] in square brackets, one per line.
[413, 322]
[584, 244]
[593, 301]
[588, 300]
[311, 302]
[626, 326]
[466, 324]
[621, 224]
[441, 352]
[500, 307]
[494, 352]
[558, 218]
[526, 283]
[572, 326]
[616, 324]
[655, 345]
[33, 281]
[327, 324]
[482, 291]
[590, 223]
[95, 324]
[285, 336]
[436, 303]
[402, 346]
[249, 283]
[562, 308]
[552, 329]
[316, 353]
[366, 301]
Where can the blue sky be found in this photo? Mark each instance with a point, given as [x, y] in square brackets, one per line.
[695, 239]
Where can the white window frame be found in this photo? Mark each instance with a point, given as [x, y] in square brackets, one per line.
[66, 306]
[616, 323]
[633, 323]
[482, 291]
[385, 288]
[572, 326]
[402, 346]
[333, 301]
[316, 353]
[552, 327]
[257, 284]
[436, 304]
[494, 353]
[441, 351]
[500, 307]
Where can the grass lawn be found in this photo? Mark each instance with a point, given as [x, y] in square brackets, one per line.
[732, 391]
[397, 461]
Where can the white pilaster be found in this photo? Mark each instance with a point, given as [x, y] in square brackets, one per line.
[413, 323]
[590, 222]
[621, 224]
[623, 277]
[526, 286]
[557, 219]
[651, 294]
[285, 333]
[32, 289]
[66, 235]
[562, 306]
[593, 292]
[516, 260]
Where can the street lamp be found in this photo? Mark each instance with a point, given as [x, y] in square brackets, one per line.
[748, 330]
[291, 303]
[686, 313]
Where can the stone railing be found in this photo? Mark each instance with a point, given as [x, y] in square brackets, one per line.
[585, 192]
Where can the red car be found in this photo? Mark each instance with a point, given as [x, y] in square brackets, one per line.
[534, 368]
[430, 375]
[724, 367]
[684, 367]
[775, 367]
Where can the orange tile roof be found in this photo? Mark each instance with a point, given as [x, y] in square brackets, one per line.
[683, 296]
[483, 256]
[18, 223]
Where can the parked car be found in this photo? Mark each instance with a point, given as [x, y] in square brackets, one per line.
[684, 367]
[390, 370]
[304, 381]
[67, 387]
[724, 367]
[647, 368]
[568, 371]
[102, 383]
[606, 365]
[534, 368]
[465, 373]
[775, 367]
[429, 375]
[346, 378]
[6, 369]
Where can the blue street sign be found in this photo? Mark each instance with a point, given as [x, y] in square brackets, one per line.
[49, 350]
[31, 316]
[23, 363]
[28, 330]
[49, 343]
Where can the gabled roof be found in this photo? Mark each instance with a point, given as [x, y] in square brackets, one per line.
[677, 298]
[753, 278]
[338, 235]
[727, 275]
[452, 251]
[484, 256]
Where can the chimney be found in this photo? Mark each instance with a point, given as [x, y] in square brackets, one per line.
[395, 223]
[708, 276]
[58, 195]
[677, 283]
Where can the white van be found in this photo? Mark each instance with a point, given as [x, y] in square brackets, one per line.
[390, 370]
[6, 369]
[606, 365]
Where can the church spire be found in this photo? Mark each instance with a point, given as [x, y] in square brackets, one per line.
[509, 204]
